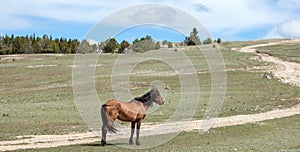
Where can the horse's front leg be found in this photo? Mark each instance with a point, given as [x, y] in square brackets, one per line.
[132, 132]
[137, 142]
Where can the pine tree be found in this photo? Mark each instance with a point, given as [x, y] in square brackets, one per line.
[124, 44]
[110, 46]
[193, 39]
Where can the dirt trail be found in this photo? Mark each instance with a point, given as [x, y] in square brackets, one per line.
[287, 71]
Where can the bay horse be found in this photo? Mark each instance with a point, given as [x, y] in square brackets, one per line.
[133, 111]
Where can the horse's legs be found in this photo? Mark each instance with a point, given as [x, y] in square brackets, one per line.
[104, 132]
[137, 142]
[132, 132]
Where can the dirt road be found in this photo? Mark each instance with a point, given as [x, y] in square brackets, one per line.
[288, 72]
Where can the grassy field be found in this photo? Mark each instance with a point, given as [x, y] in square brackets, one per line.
[36, 97]
[273, 135]
[287, 52]
[239, 44]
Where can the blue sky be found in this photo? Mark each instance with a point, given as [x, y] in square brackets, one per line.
[230, 20]
[158, 33]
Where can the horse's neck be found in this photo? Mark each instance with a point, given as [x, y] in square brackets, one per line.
[148, 104]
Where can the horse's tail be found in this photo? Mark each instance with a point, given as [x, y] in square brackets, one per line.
[107, 120]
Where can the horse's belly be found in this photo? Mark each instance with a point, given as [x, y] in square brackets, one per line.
[123, 117]
[131, 117]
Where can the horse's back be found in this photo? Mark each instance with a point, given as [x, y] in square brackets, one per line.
[112, 103]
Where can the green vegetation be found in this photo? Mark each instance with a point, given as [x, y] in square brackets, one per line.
[36, 94]
[239, 44]
[33, 45]
[48, 45]
[287, 52]
[144, 44]
[207, 41]
[193, 39]
[272, 135]
[36, 98]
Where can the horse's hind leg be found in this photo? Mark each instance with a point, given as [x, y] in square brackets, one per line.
[132, 132]
[104, 132]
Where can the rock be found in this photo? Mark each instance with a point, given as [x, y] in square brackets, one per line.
[268, 75]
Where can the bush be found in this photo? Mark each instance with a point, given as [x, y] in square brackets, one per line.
[207, 41]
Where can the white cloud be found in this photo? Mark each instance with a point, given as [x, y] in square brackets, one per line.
[146, 14]
[288, 29]
[13, 23]
[288, 4]
[200, 7]
[233, 16]
[226, 18]
[154, 14]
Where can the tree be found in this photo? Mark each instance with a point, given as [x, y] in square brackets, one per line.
[194, 36]
[144, 44]
[85, 47]
[63, 45]
[170, 45]
[188, 41]
[157, 45]
[45, 44]
[36, 47]
[219, 40]
[55, 47]
[164, 42]
[16, 45]
[75, 46]
[32, 44]
[207, 41]
[24, 45]
[110, 46]
[193, 39]
[124, 44]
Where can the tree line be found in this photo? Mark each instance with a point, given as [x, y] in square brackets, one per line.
[35, 44]
[112, 46]
[47, 44]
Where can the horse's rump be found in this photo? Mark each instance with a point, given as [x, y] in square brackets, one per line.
[107, 112]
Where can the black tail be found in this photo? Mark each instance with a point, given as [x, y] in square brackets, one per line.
[107, 122]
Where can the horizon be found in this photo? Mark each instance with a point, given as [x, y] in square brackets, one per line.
[232, 21]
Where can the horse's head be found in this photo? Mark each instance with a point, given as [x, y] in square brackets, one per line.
[155, 96]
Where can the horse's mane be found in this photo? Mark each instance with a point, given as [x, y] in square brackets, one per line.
[145, 99]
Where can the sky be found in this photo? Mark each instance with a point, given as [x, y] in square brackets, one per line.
[230, 20]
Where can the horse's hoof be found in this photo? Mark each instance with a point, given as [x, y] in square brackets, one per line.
[103, 143]
[130, 142]
[138, 143]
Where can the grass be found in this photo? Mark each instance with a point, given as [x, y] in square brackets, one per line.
[37, 100]
[287, 52]
[239, 44]
[272, 135]
[36, 95]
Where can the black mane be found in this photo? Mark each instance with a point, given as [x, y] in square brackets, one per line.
[145, 99]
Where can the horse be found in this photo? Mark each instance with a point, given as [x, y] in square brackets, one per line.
[133, 111]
